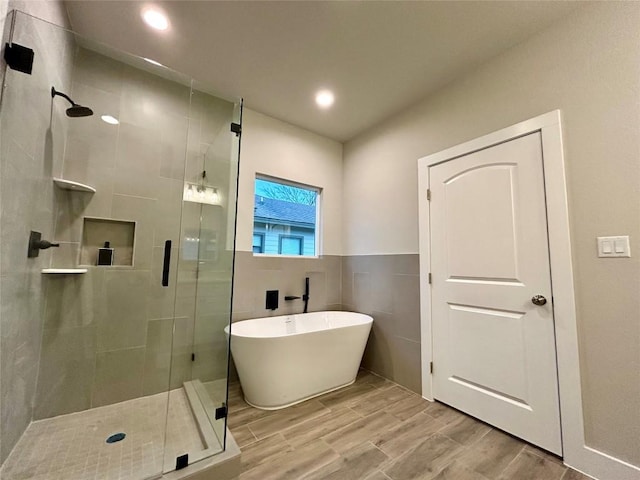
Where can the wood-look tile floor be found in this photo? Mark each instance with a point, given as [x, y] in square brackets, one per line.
[377, 430]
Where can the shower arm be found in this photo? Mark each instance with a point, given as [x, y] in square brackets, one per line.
[54, 92]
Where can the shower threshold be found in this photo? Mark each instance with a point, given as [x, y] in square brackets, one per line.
[74, 446]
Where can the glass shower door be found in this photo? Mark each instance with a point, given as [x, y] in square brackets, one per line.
[205, 265]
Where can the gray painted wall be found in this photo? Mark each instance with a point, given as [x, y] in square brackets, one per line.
[587, 66]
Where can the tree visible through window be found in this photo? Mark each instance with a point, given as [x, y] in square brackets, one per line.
[285, 218]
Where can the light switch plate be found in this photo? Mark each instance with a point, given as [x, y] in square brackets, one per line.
[614, 246]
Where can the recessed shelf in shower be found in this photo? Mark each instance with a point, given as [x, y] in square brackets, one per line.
[119, 233]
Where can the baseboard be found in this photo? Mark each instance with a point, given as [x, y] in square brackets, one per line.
[601, 466]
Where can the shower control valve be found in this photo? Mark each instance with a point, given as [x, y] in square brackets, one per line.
[36, 244]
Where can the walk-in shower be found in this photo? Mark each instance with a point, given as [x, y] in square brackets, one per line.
[114, 358]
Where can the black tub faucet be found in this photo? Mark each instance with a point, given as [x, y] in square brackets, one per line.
[305, 297]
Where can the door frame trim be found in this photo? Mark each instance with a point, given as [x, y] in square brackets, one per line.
[575, 452]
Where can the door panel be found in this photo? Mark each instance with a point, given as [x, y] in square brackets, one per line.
[473, 332]
[493, 349]
[481, 246]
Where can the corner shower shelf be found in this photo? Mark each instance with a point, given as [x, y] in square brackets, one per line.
[64, 271]
[70, 185]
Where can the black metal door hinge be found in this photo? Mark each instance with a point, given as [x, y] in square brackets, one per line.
[430, 367]
[236, 128]
[221, 412]
[19, 58]
[182, 461]
[193, 357]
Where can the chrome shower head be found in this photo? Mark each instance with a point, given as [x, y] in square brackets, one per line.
[75, 110]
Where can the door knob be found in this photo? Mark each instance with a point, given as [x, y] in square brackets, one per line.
[538, 300]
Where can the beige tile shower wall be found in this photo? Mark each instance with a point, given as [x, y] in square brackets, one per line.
[107, 334]
[588, 66]
[52, 11]
[387, 287]
[32, 143]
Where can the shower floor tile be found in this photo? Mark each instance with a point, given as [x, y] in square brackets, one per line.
[73, 447]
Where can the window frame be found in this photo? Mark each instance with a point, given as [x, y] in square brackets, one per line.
[318, 218]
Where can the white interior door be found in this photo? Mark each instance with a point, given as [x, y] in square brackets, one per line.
[494, 351]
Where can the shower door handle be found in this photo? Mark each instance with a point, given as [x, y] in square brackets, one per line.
[167, 263]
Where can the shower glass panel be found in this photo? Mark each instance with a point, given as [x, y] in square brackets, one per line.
[114, 360]
[206, 262]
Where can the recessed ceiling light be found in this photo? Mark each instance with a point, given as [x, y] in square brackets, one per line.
[324, 98]
[110, 120]
[152, 62]
[155, 18]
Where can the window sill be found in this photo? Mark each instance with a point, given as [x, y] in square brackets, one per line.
[269, 255]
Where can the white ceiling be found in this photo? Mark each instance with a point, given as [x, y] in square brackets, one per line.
[377, 57]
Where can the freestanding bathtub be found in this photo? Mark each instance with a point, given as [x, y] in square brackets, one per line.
[285, 360]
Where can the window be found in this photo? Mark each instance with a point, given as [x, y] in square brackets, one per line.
[291, 245]
[285, 218]
[258, 243]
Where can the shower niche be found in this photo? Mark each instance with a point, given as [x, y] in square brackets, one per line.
[117, 235]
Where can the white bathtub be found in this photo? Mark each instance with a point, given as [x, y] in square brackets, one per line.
[285, 360]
